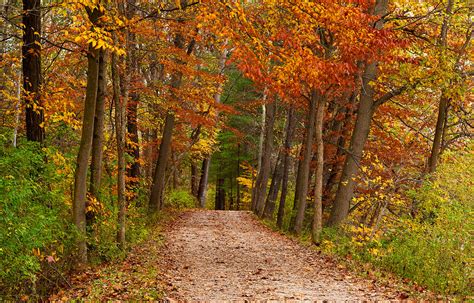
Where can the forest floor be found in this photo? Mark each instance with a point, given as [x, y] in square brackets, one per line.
[225, 255]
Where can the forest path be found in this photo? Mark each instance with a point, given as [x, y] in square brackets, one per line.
[229, 255]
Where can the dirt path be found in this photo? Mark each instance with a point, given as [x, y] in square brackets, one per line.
[224, 255]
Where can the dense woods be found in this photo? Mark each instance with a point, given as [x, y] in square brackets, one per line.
[347, 122]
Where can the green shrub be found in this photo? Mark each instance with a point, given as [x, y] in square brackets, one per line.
[181, 199]
[34, 228]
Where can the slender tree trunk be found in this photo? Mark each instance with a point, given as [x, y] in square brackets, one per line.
[262, 179]
[17, 110]
[194, 179]
[220, 195]
[298, 183]
[290, 127]
[345, 190]
[120, 97]
[274, 187]
[202, 192]
[80, 177]
[31, 65]
[156, 198]
[133, 147]
[238, 175]
[305, 165]
[202, 189]
[438, 136]
[98, 135]
[318, 176]
[444, 100]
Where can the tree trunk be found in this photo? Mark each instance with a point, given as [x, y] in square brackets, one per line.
[345, 190]
[202, 192]
[98, 135]
[274, 187]
[194, 180]
[262, 179]
[133, 147]
[444, 100]
[237, 190]
[31, 66]
[156, 197]
[318, 176]
[305, 165]
[120, 102]
[220, 195]
[299, 170]
[80, 176]
[203, 181]
[438, 136]
[290, 127]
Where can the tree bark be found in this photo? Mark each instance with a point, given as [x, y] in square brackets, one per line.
[85, 146]
[157, 190]
[220, 195]
[438, 136]
[31, 66]
[80, 176]
[156, 198]
[98, 135]
[318, 176]
[345, 190]
[133, 147]
[290, 127]
[262, 178]
[194, 180]
[305, 165]
[202, 191]
[274, 187]
[444, 100]
[120, 97]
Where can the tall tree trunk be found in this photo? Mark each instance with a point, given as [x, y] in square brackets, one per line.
[80, 176]
[202, 191]
[305, 165]
[331, 171]
[157, 190]
[262, 178]
[120, 97]
[274, 187]
[237, 190]
[220, 195]
[345, 190]
[194, 179]
[98, 135]
[31, 66]
[438, 136]
[133, 147]
[299, 170]
[156, 197]
[318, 176]
[444, 100]
[290, 127]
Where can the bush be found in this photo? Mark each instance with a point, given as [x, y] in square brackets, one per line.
[434, 248]
[181, 199]
[35, 233]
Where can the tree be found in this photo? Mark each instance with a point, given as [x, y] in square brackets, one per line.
[31, 66]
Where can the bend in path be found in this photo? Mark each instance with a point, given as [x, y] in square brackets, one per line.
[229, 255]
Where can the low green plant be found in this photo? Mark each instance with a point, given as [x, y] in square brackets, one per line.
[35, 233]
[180, 198]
